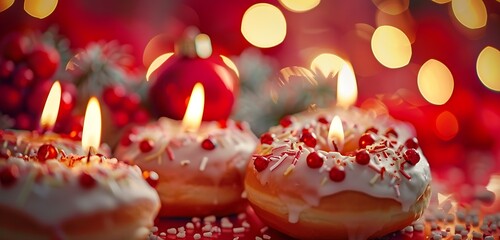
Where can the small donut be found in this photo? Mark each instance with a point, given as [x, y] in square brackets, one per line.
[200, 173]
[376, 183]
[73, 197]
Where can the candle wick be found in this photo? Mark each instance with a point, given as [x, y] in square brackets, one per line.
[90, 154]
[335, 147]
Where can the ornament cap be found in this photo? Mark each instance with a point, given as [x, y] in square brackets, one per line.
[194, 44]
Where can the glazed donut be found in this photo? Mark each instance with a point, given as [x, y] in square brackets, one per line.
[200, 173]
[72, 197]
[379, 182]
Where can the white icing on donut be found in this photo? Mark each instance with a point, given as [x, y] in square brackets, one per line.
[289, 174]
[51, 192]
[180, 155]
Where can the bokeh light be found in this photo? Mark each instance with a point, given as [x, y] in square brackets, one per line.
[230, 64]
[157, 63]
[487, 67]
[391, 47]
[470, 13]
[441, 1]
[203, 45]
[327, 64]
[40, 8]
[435, 82]
[393, 7]
[446, 125]
[299, 5]
[4, 4]
[263, 25]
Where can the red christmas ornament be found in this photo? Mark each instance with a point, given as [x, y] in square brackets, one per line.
[170, 92]
[44, 61]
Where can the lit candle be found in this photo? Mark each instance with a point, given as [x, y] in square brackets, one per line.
[51, 107]
[192, 153]
[91, 135]
[336, 134]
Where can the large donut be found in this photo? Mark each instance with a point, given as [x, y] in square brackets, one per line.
[70, 197]
[200, 173]
[378, 183]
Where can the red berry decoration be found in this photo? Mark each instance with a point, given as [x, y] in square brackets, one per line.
[390, 132]
[46, 152]
[362, 157]
[366, 139]
[23, 77]
[323, 120]
[146, 145]
[412, 143]
[86, 181]
[266, 138]
[260, 163]
[9, 175]
[11, 99]
[208, 144]
[44, 60]
[175, 80]
[309, 139]
[15, 47]
[286, 121]
[151, 177]
[112, 95]
[315, 160]
[412, 156]
[337, 174]
[6, 68]
[372, 129]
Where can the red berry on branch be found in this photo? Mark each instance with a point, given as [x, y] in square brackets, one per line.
[266, 138]
[337, 174]
[412, 143]
[309, 139]
[44, 60]
[366, 139]
[286, 121]
[10, 99]
[260, 163]
[6, 68]
[23, 77]
[146, 145]
[9, 175]
[86, 181]
[15, 47]
[141, 116]
[112, 95]
[121, 118]
[46, 152]
[411, 156]
[208, 144]
[130, 102]
[315, 160]
[362, 157]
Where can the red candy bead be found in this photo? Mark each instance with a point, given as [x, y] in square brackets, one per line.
[411, 156]
[86, 181]
[266, 138]
[337, 174]
[314, 160]
[412, 143]
[390, 132]
[151, 177]
[126, 141]
[260, 163]
[146, 145]
[286, 121]
[308, 138]
[9, 175]
[208, 144]
[366, 139]
[372, 129]
[323, 120]
[362, 157]
[46, 152]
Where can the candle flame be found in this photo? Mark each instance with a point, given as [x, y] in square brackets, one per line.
[347, 91]
[51, 108]
[194, 111]
[336, 132]
[91, 135]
